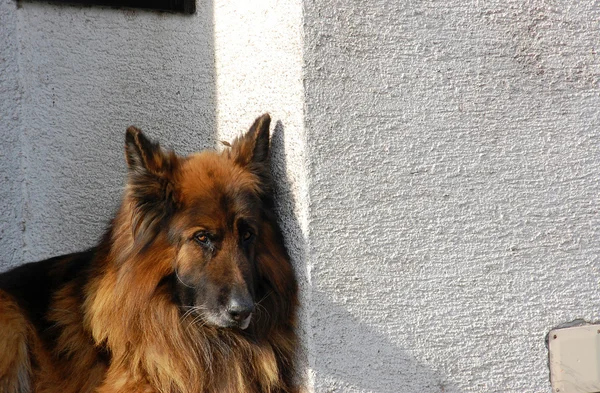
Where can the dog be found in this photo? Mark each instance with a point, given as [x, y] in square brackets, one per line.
[189, 290]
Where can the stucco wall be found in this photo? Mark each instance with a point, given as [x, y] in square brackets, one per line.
[454, 160]
[437, 163]
[258, 62]
[88, 73]
[11, 201]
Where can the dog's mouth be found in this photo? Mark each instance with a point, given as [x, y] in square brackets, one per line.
[225, 321]
[220, 319]
[245, 323]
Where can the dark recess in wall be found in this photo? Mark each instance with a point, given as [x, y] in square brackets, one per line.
[182, 6]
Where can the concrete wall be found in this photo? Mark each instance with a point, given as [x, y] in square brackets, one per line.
[454, 160]
[258, 62]
[437, 163]
[87, 74]
[11, 201]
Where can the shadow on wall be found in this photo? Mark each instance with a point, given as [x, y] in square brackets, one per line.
[351, 356]
[151, 69]
[346, 354]
[285, 206]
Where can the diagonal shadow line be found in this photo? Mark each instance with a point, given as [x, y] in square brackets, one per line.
[346, 354]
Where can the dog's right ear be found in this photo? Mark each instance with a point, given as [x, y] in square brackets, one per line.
[142, 155]
[150, 179]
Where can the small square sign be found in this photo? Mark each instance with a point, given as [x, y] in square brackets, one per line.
[574, 356]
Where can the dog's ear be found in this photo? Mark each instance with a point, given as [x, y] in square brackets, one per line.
[143, 155]
[251, 150]
[150, 180]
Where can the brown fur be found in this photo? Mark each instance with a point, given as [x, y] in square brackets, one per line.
[153, 307]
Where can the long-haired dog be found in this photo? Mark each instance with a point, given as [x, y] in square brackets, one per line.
[189, 290]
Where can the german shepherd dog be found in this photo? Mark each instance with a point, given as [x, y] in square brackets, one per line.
[189, 290]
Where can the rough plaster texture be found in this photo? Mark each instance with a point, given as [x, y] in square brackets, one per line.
[11, 202]
[436, 162]
[188, 81]
[87, 74]
[454, 153]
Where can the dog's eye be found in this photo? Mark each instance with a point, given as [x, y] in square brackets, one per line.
[202, 238]
[247, 236]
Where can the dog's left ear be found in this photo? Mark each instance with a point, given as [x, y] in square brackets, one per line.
[251, 150]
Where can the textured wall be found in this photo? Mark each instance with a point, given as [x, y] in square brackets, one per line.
[437, 163]
[87, 74]
[454, 156]
[11, 201]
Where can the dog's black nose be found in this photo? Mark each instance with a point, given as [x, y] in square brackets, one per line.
[239, 309]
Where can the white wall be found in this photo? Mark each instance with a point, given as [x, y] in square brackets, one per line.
[87, 74]
[437, 163]
[454, 155]
[11, 203]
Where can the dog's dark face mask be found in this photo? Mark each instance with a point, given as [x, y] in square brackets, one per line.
[215, 269]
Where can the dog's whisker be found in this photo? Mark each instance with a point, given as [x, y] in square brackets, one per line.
[262, 310]
[264, 297]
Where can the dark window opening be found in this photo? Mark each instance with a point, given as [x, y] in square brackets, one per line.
[183, 6]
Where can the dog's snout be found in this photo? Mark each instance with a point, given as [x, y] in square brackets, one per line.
[240, 308]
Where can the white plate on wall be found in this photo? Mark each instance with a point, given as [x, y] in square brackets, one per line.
[574, 357]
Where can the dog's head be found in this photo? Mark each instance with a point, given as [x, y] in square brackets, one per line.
[213, 210]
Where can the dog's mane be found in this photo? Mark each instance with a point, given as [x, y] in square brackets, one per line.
[130, 312]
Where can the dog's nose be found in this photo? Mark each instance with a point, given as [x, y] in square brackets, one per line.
[239, 309]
